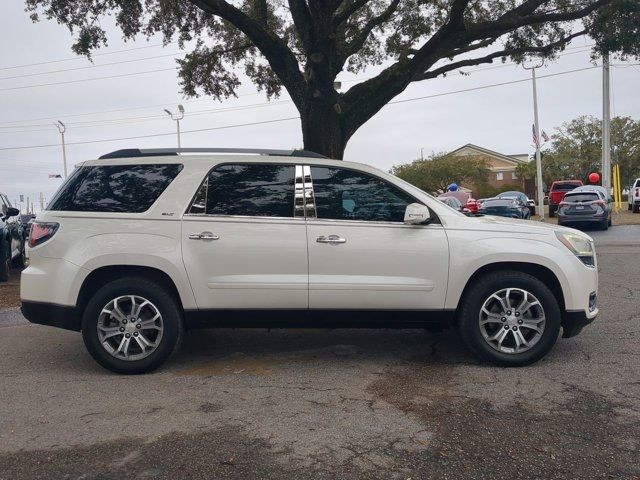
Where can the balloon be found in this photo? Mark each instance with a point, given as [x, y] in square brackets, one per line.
[453, 187]
[594, 177]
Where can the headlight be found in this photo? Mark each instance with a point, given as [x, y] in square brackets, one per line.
[580, 246]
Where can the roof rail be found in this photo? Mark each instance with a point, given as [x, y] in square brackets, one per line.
[155, 152]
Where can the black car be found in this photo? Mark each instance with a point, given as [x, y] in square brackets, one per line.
[588, 205]
[11, 238]
[509, 207]
[520, 196]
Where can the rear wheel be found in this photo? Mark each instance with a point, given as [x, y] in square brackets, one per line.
[636, 208]
[132, 325]
[552, 211]
[509, 318]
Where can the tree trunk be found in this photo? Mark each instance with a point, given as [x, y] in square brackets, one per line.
[322, 131]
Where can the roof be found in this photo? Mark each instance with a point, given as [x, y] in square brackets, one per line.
[512, 159]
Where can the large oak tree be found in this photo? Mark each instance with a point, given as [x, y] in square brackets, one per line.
[302, 45]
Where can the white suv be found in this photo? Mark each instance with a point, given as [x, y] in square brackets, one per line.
[140, 245]
[633, 197]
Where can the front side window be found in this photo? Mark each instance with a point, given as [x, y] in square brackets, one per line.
[253, 190]
[342, 194]
[114, 188]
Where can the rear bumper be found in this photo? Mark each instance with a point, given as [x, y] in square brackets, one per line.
[61, 316]
[573, 321]
[577, 219]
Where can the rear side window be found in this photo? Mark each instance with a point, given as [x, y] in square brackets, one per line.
[114, 188]
[250, 190]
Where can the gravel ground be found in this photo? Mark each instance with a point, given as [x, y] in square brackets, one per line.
[10, 291]
[331, 404]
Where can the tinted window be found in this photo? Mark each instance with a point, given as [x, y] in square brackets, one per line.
[564, 186]
[258, 190]
[581, 197]
[117, 188]
[342, 194]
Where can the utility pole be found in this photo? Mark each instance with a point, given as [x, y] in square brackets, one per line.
[536, 135]
[62, 128]
[606, 125]
[177, 119]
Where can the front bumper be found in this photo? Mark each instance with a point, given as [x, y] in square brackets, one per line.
[573, 321]
[61, 316]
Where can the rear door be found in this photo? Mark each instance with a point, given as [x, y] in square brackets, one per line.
[241, 243]
[361, 254]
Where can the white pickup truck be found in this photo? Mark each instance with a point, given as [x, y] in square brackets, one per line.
[634, 196]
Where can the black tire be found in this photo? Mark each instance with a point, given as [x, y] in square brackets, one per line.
[605, 225]
[5, 261]
[473, 300]
[610, 222]
[161, 297]
[628, 206]
[636, 208]
[552, 211]
[21, 260]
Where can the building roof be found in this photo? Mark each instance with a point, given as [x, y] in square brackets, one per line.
[510, 159]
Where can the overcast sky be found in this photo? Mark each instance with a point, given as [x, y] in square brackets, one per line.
[498, 118]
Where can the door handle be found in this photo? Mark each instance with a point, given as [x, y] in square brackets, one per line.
[332, 239]
[203, 236]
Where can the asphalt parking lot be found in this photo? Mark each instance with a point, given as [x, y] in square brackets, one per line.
[332, 404]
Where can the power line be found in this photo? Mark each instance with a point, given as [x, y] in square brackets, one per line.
[100, 54]
[48, 72]
[87, 79]
[511, 82]
[154, 134]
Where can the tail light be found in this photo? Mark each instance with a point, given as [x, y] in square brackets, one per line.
[637, 192]
[600, 203]
[41, 232]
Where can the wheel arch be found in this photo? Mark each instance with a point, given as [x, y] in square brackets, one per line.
[542, 273]
[102, 275]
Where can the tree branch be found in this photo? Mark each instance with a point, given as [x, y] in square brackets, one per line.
[281, 59]
[361, 37]
[343, 14]
[302, 21]
[502, 53]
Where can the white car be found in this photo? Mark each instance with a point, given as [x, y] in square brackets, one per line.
[140, 245]
[633, 197]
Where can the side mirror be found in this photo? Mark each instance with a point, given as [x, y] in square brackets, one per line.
[416, 214]
[12, 212]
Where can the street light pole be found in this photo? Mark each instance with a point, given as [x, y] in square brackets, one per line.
[62, 128]
[536, 135]
[606, 125]
[177, 119]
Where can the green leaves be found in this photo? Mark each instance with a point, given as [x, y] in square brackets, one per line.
[435, 174]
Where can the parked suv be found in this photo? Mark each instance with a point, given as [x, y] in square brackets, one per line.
[12, 251]
[633, 197]
[138, 246]
[557, 192]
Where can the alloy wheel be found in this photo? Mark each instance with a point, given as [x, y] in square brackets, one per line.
[512, 320]
[130, 327]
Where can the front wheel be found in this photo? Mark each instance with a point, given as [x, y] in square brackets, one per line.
[132, 325]
[509, 318]
[552, 211]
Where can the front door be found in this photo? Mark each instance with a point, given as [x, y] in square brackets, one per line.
[361, 254]
[242, 246]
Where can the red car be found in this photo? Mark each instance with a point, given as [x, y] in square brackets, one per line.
[472, 205]
[557, 192]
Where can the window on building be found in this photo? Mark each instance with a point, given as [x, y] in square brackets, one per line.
[514, 176]
[499, 176]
